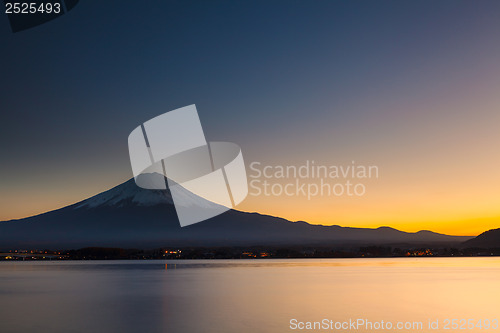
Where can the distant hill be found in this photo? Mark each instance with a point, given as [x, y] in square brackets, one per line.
[487, 240]
[131, 217]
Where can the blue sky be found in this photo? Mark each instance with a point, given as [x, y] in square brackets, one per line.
[286, 80]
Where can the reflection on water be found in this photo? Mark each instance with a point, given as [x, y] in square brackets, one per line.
[242, 295]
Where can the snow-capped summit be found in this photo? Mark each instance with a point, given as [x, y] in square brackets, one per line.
[129, 193]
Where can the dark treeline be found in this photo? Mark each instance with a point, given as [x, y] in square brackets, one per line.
[256, 252]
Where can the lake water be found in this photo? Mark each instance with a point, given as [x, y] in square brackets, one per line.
[243, 296]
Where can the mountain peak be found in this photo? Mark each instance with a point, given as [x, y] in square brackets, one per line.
[128, 193]
[130, 216]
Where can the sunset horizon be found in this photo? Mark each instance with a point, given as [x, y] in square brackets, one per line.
[250, 166]
[458, 227]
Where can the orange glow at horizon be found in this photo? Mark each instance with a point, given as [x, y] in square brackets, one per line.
[439, 170]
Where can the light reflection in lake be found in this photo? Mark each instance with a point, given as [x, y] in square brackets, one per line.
[241, 295]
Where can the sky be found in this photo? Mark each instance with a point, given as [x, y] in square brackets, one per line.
[409, 86]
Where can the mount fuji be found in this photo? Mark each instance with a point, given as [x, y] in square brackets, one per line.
[129, 216]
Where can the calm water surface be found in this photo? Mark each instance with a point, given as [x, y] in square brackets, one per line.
[243, 295]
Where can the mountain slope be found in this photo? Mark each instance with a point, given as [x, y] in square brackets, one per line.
[487, 240]
[129, 216]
